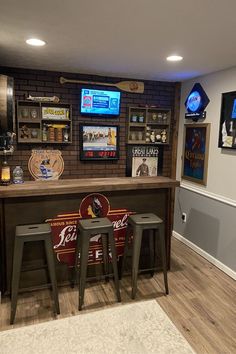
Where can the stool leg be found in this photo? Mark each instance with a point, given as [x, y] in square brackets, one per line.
[151, 249]
[17, 259]
[84, 249]
[163, 255]
[126, 245]
[156, 246]
[105, 256]
[135, 261]
[51, 267]
[76, 269]
[114, 264]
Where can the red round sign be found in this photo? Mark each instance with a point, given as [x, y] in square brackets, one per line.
[94, 205]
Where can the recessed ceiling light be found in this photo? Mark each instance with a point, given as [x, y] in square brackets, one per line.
[174, 58]
[36, 42]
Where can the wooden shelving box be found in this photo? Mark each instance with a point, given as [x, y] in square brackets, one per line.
[36, 119]
[148, 125]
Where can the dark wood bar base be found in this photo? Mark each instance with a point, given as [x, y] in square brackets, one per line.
[34, 202]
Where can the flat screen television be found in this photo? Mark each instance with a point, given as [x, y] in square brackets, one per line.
[99, 142]
[100, 103]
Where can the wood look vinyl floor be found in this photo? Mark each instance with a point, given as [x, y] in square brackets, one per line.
[201, 303]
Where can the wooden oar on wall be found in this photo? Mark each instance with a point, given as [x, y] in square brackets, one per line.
[128, 86]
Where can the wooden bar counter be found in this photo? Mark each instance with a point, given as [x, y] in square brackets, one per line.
[36, 201]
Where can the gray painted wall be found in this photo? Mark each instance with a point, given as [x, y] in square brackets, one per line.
[211, 225]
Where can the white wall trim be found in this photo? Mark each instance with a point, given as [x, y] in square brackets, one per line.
[230, 272]
[210, 195]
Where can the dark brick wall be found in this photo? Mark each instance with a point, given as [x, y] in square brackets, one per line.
[46, 83]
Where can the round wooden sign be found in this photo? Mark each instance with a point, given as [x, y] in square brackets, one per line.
[46, 165]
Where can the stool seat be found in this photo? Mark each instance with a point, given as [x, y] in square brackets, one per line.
[31, 233]
[33, 229]
[145, 219]
[86, 229]
[94, 224]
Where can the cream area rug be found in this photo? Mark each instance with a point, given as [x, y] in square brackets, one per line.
[133, 328]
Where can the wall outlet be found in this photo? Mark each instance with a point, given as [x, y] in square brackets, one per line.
[184, 217]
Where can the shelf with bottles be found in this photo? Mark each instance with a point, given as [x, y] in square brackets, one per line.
[44, 122]
[159, 116]
[137, 134]
[137, 115]
[156, 135]
[148, 125]
[55, 133]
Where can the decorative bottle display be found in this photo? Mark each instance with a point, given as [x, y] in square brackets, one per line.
[45, 133]
[66, 134]
[51, 133]
[18, 175]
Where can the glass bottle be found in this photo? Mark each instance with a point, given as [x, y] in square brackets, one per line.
[45, 133]
[66, 134]
[18, 175]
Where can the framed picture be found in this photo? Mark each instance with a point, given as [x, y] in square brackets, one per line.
[99, 142]
[195, 152]
[144, 161]
[227, 133]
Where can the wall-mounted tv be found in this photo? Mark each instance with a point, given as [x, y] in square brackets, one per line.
[99, 142]
[100, 103]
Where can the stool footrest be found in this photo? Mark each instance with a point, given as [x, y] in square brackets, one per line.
[29, 268]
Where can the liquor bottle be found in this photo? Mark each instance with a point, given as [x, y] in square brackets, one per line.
[66, 134]
[45, 134]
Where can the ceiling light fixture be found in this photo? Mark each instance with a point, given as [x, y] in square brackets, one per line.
[174, 58]
[35, 42]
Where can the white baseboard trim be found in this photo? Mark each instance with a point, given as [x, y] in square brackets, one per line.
[205, 255]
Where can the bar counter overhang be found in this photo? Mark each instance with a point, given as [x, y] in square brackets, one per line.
[36, 201]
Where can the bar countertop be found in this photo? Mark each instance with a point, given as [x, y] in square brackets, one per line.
[73, 186]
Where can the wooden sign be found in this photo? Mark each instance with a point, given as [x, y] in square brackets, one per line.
[46, 164]
[55, 113]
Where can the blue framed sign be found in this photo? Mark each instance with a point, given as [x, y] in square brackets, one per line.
[196, 103]
[195, 152]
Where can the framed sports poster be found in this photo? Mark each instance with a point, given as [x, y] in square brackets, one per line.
[144, 161]
[227, 131]
[195, 152]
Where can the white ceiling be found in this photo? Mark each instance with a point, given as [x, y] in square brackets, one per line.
[126, 38]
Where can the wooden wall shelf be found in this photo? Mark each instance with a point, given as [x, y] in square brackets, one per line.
[148, 125]
[37, 125]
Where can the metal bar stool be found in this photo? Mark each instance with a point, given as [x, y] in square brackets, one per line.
[86, 229]
[139, 223]
[31, 233]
